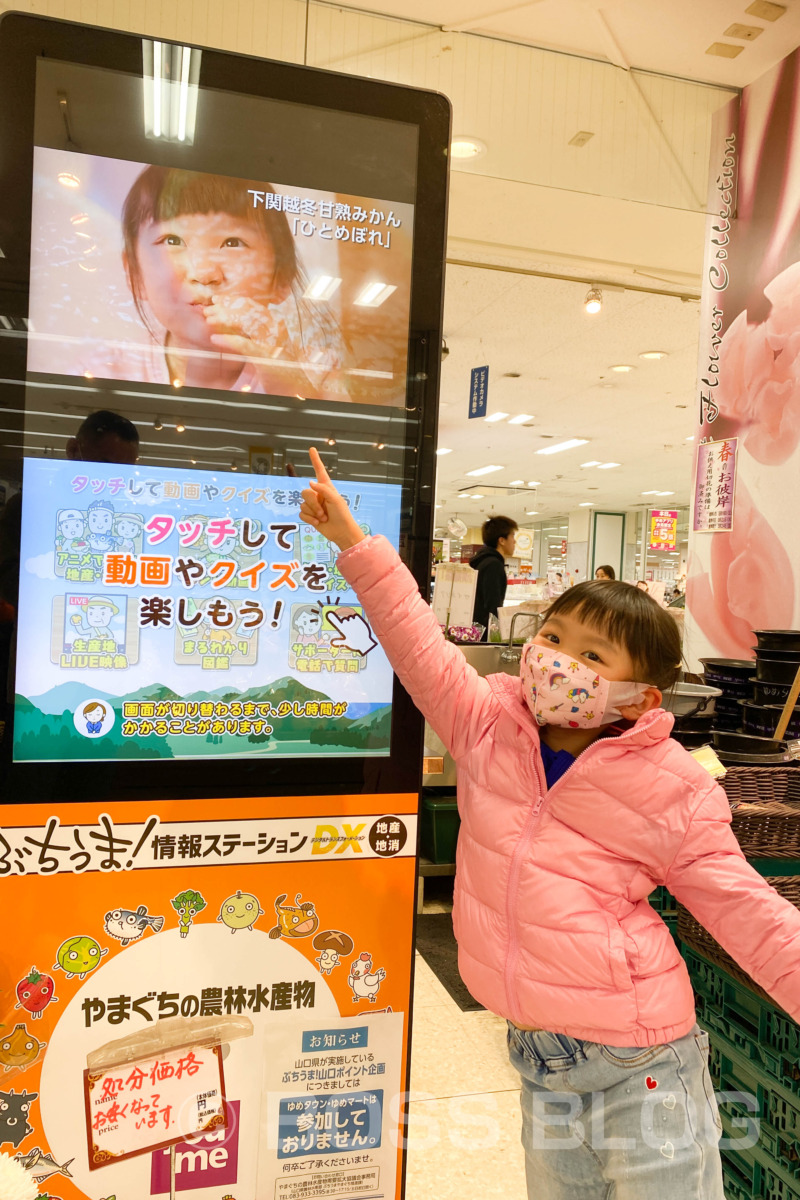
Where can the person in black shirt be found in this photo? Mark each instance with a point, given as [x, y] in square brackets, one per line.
[498, 535]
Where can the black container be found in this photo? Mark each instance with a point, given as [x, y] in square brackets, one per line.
[691, 739]
[779, 655]
[778, 639]
[728, 706]
[775, 670]
[695, 723]
[762, 719]
[738, 749]
[772, 693]
[735, 670]
[742, 689]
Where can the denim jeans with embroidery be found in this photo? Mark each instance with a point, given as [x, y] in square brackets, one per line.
[617, 1123]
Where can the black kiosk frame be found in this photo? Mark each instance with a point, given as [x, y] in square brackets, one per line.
[77, 88]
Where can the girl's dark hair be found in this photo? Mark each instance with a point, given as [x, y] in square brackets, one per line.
[161, 193]
[632, 619]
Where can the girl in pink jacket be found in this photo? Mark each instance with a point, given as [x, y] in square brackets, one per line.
[575, 804]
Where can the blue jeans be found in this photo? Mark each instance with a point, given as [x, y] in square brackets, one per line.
[617, 1123]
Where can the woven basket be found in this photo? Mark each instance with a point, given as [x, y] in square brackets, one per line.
[691, 931]
[765, 805]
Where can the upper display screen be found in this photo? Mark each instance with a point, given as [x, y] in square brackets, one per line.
[162, 275]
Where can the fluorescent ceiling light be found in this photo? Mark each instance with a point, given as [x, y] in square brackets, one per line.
[170, 74]
[444, 450]
[534, 483]
[515, 483]
[374, 294]
[607, 466]
[653, 354]
[651, 493]
[594, 463]
[587, 504]
[485, 470]
[477, 496]
[622, 368]
[520, 419]
[322, 288]
[465, 147]
[496, 417]
[665, 493]
[690, 439]
[532, 512]
[570, 444]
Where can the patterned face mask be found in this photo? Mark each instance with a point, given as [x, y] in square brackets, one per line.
[559, 690]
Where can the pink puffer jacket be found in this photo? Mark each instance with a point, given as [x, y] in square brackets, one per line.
[551, 914]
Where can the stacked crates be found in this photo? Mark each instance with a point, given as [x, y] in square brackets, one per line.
[754, 1045]
[667, 906]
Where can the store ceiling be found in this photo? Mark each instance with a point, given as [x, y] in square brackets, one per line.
[538, 327]
[670, 36]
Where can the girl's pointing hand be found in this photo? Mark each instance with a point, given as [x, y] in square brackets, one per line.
[328, 511]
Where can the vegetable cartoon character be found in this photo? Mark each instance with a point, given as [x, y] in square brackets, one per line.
[240, 912]
[14, 1109]
[20, 1048]
[35, 992]
[294, 920]
[331, 945]
[187, 905]
[78, 956]
[363, 980]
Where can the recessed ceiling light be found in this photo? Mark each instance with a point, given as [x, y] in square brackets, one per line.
[322, 288]
[521, 418]
[587, 504]
[581, 138]
[496, 417]
[68, 179]
[485, 470]
[653, 354]
[532, 512]
[374, 294]
[515, 483]
[570, 444]
[622, 368]
[608, 466]
[766, 10]
[595, 462]
[444, 450]
[534, 483]
[477, 496]
[665, 493]
[465, 147]
[724, 50]
[651, 493]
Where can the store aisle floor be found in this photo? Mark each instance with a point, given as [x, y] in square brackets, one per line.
[465, 1122]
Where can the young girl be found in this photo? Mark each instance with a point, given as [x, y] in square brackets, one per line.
[574, 807]
[217, 284]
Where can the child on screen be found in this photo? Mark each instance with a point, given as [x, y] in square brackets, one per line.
[218, 287]
[575, 804]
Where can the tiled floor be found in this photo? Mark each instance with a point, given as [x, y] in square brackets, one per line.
[465, 1118]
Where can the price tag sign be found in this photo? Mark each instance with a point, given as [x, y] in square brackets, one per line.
[153, 1102]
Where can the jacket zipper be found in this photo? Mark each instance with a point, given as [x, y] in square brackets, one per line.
[516, 862]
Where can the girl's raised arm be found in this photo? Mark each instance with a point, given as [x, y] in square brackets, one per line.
[453, 698]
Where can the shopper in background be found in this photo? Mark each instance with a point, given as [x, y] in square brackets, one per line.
[575, 804]
[498, 534]
[605, 573]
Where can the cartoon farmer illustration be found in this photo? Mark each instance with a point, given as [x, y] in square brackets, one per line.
[100, 514]
[96, 621]
[71, 530]
[128, 527]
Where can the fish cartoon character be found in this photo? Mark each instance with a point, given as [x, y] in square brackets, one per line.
[363, 980]
[78, 956]
[128, 926]
[19, 1048]
[294, 920]
[187, 905]
[14, 1109]
[240, 912]
[42, 1166]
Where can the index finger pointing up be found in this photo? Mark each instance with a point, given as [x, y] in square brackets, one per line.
[319, 466]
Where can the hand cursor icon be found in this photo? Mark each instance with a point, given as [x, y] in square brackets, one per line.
[352, 631]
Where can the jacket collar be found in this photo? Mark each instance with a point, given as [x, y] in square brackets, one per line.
[655, 726]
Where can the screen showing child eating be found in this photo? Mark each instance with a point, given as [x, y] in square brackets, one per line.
[157, 274]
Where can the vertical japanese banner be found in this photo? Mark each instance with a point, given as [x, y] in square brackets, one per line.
[744, 550]
[295, 912]
[177, 613]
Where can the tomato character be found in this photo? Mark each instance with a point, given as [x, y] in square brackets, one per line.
[35, 992]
